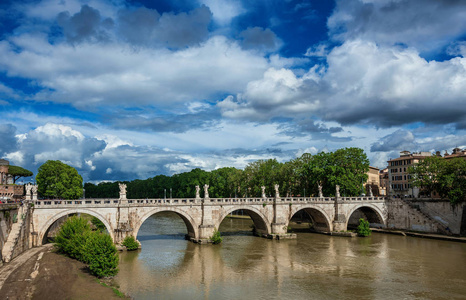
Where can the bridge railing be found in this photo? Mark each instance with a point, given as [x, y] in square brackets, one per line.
[191, 201]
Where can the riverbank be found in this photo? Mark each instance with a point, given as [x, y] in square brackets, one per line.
[40, 273]
[422, 235]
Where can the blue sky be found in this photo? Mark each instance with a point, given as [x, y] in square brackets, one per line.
[130, 89]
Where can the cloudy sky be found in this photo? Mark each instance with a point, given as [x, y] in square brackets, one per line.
[130, 89]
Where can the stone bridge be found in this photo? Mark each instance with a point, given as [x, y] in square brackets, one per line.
[202, 216]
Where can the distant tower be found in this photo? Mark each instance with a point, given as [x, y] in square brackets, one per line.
[4, 165]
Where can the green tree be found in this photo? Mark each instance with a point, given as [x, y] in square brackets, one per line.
[453, 180]
[346, 167]
[445, 176]
[349, 170]
[58, 180]
[263, 173]
[425, 174]
[101, 254]
[18, 172]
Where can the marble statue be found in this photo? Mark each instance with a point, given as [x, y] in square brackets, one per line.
[198, 195]
[277, 193]
[206, 191]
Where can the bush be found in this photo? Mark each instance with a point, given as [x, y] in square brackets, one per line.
[130, 243]
[72, 236]
[216, 238]
[98, 224]
[363, 228]
[101, 255]
[77, 240]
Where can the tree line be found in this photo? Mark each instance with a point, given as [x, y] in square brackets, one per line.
[346, 167]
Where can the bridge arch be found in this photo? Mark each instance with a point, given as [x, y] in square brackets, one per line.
[371, 212]
[67, 212]
[260, 221]
[191, 225]
[319, 217]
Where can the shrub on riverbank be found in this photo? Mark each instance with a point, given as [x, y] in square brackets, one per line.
[363, 228]
[72, 237]
[101, 255]
[130, 243]
[77, 240]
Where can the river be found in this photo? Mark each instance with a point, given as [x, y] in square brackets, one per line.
[314, 266]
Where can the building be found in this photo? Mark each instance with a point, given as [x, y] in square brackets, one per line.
[373, 181]
[398, 173]
[457, 152]
[384, 182]
[8, 191]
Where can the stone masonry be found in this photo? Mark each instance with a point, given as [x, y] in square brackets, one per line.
[203, 216]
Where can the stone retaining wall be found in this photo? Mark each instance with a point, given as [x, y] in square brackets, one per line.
[22, 243]
[7, 213]
[425, 215]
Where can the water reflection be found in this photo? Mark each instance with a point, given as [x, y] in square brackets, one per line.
[313, 266]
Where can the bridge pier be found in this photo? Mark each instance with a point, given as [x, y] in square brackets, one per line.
[205, 234]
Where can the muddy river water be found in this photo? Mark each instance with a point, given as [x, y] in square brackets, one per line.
[314, 266]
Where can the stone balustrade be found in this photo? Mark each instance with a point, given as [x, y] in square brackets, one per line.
[193, 201]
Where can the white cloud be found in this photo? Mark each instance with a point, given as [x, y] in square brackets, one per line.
[59, 131]
[17, 157]
[224, 10]
[113, 141]
[89, 163]
[363, 83]
[278, 93]
[91, 75]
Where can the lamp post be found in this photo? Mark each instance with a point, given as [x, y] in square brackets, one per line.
[170, 193]
[164, 193]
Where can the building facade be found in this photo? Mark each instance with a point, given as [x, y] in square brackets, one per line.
[398, 176]
[373, 181]
[384, 182]
[8, 191]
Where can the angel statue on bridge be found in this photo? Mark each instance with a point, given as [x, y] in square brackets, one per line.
[122, 187]
[198, 195]
[277, 193]
[206, 191]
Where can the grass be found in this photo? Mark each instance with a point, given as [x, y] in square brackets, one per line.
[114, 289]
